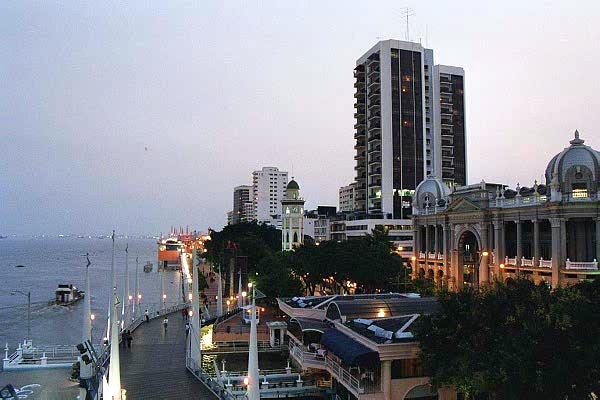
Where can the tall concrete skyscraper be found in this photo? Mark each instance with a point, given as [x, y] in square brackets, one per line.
[268, 188]
[243, 209]
[398, 142]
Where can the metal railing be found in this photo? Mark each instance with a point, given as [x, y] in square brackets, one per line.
[211, 384]
[305, 358]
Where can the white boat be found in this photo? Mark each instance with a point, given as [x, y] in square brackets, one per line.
[67, 294]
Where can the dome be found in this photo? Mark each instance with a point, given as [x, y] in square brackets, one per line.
[293, 185]
[576, 164]
[429, 191]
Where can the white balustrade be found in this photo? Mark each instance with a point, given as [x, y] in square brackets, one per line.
[440, 256]
[432, 256]
[421, 255]
[510, 261]
[583, 265]
[526, 262]
[545, 263]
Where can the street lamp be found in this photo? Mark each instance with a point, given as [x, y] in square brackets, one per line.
[28, 295]
[244, 294]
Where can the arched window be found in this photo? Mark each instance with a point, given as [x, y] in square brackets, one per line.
[287, 237]
[287, 210]
[295, 237]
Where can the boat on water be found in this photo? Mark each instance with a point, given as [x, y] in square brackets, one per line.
[67, 294]
[148, 267]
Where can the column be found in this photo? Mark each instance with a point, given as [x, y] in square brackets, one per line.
[497, 250]
[555, 227]
[435, 240]
[519, 242]
[281, 336]
[484, 271]
[598, 240]
[386, 379]
[536, 242]
[427, 242]
[445, 245]
[563, 242]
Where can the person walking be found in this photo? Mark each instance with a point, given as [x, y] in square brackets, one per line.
[147, 316]
[187, 328]
[166, 323]
[129, 339]
[124, 339]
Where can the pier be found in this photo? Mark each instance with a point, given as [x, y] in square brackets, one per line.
[154, 367]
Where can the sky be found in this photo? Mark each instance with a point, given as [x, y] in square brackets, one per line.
[136, 116]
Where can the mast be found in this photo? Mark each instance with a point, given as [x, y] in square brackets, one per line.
[85, 370]
[194, 335]
[240, 299]
[253, 392]
[136, 289]
[114, 373]
[125, 307]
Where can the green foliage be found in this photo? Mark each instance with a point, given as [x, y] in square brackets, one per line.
[515, 341]
[253, 240]
[275, 278]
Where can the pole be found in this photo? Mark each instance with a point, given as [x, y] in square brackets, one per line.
[195, 350]
[253, 392]
[126, 302]
[115, 366]
[29, 315]
[136, 299]
[85, 370]
[162, 289]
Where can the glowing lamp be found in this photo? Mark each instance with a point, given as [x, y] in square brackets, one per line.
[92, 317]
[485, 254]
[246, 381]
[164, 296]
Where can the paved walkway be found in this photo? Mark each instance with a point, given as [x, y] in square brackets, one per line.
[154, 367]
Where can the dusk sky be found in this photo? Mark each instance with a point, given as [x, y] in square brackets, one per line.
[137, 117]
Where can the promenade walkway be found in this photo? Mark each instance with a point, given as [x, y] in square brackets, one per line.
[154, 367]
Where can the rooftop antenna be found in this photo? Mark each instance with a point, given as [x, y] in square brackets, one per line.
[407, 12]
[426, 35]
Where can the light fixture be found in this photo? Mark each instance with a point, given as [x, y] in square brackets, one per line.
[92, 317]
[485, 253]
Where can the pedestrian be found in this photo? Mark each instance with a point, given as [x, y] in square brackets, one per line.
[187, 328]
[183, 313]
[147, 315]
[124, 339]
[129, 338]
[165, 322]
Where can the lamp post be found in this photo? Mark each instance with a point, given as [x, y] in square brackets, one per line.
[28, 295]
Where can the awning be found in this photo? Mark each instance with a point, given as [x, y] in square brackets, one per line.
[349, 350]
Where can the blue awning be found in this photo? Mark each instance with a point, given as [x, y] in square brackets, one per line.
[349, 350]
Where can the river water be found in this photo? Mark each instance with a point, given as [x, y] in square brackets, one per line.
[51, 261]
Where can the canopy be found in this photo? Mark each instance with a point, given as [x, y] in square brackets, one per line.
[349, 350]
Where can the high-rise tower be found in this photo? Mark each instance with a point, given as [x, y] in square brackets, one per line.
[398, 142]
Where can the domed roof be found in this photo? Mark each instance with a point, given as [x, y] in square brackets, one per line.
[293, 185]
[578, 155]
[430, 190]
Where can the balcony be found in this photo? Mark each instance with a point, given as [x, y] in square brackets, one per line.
[360, 94]
[582, 265]
[359, 125]
[375, 160]
[304, 357]
[374, 94]
[359, 84]
[374, 149]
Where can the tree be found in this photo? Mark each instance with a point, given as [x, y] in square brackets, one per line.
[515, 341]
[275, 278]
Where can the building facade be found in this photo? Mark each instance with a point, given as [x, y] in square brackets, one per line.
[243, 209]
[398, 142]
[292, 209]
[268, 189]
[346, 198]
[483, 232]
[361, 346]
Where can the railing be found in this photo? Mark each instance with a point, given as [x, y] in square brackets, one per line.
[344, 376]
[583, 265]
[305, 358]
[526, 262]
[545, 263]
[440, 256]
[510, 261]
[212, 384]
[421, 255]
[432, 256]
[241, 347]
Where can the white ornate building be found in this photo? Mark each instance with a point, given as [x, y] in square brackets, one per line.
[292, 211]
[478, 233]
